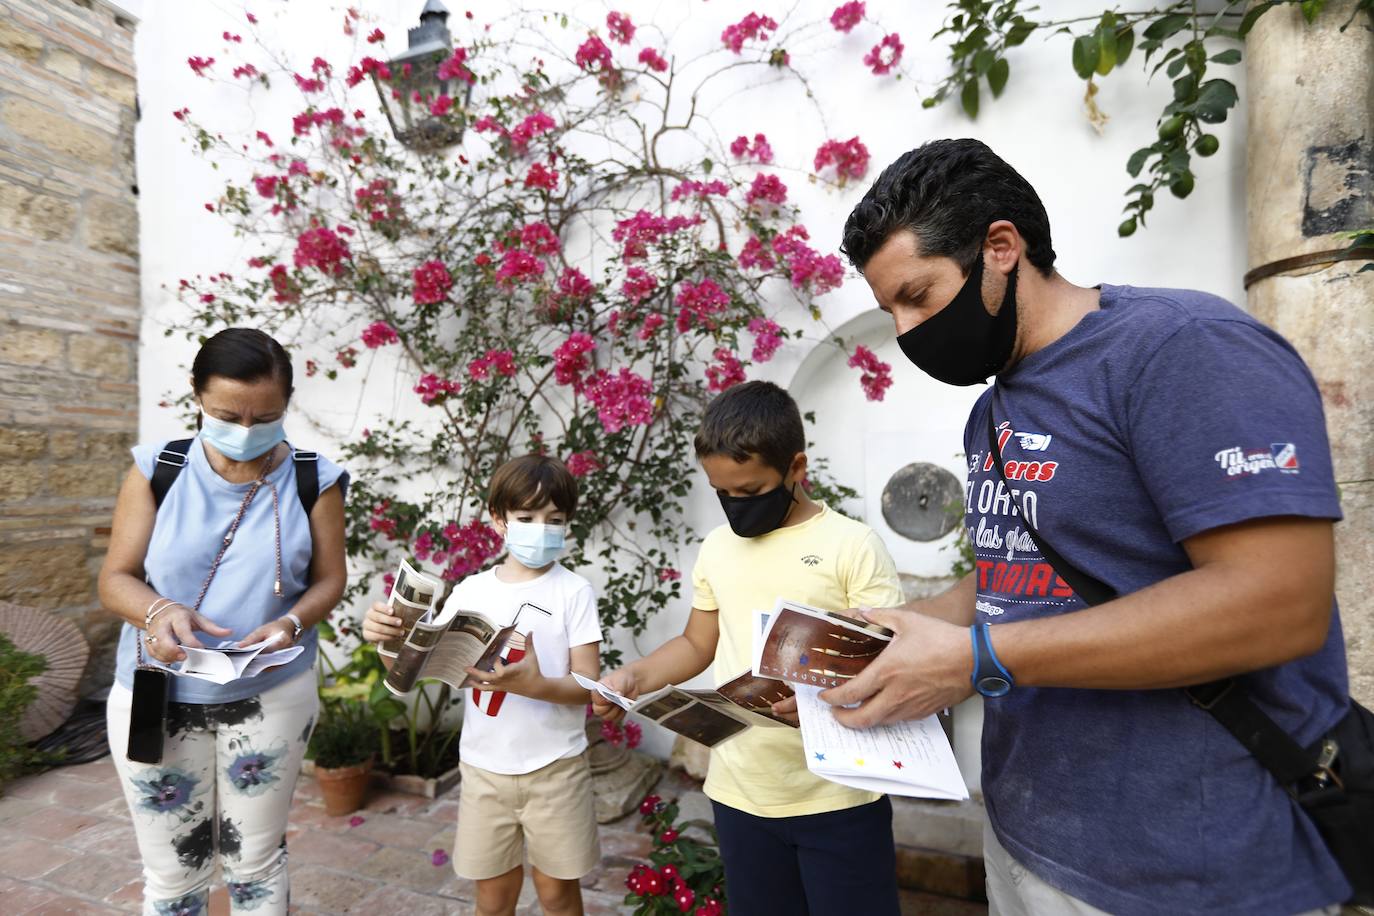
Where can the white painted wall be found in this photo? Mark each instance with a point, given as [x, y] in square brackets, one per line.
[1038, 125]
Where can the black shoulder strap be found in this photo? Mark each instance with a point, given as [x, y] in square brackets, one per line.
[307, 478]
[169, 463]
[1226, 700]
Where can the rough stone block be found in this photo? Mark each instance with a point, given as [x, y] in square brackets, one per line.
[31, 347]
[58, 132]
[19, 482]
[22, 443]
[84, 480]
[111, 226]
[19, 42]
[64, 443]
[108, 446]
[45, 575]
[64, 63]
[115, 86]
[96, 354]
[40, 216]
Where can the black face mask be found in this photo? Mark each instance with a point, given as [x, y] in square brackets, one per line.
[962, 344]
[751, 516]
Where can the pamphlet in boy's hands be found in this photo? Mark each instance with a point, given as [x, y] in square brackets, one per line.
[806, 645]
[413, 595]
[229, 661]
[907, 758]
[708, 717]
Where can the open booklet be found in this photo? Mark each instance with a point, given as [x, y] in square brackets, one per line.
[806, 645]
[230, 662]
[813, 649]
[706, 716]
[443, 644]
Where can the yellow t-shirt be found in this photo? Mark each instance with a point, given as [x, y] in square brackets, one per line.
[828, 561]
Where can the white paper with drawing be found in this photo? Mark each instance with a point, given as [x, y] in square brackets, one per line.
[908, 758]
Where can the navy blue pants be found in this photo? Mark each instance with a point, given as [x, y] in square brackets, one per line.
[840, 863]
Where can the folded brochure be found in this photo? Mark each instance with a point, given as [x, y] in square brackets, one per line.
[229, 661]
[708, 717]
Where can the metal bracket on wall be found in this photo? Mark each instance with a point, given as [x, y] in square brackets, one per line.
[1313, 259]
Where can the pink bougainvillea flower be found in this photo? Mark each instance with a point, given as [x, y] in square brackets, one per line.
[358, 820]
[808, 270]
[365, 68]
[310, 84]
[612, 733]
[768, 189]
[755, 255]
[540, 176]
[633, 735]
[700, 189]
[580, 464]
[455, 67]
[502, 362]
[698, 302]
[593, 55]
[245, 71]
[377, 202]
[885, 55]
[379, 334]
[767, 338]
[518, 265]
[644, 229]
[668, 574]
[438, 858]
[652, 322]
[572, 290]
[375, 36]
[620, 28]
[266, 185]
[432, 283]
[440, 106]
[847, 15]
[652, 59]
[181, 113]
[621, 399]
[571, 360]
[877, 375]
[639, 285]
[725, 372]
[752, 26]
[470, 547]
[285, 289]
[540, 238]
[322, 249]
[532, 126]
[759, 150]
[199, 65]
[850, 158]
[432, 388]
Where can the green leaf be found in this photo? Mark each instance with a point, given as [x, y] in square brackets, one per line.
[1176, 67]
[1311, 9]
[1168, 25]
[1229, 56]
[1085, 55]
[1020, 30]
[1106, 52]
[969, 98]
[1125, 41]
[997, 76]
[1214, 99]
[1252, 17]
[1137, 160]
[982, 61]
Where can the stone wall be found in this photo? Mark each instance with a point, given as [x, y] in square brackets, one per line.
[69, 301]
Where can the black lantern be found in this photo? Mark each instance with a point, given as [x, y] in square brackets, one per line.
[415, 84]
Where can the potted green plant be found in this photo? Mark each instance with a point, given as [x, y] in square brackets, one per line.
[342, 747]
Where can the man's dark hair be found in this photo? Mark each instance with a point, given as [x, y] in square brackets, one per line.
[948, 192]
[244, 355]
[754, 418]
[529, 482]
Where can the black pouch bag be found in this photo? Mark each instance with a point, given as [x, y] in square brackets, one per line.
[1333, 780]
[148, 714]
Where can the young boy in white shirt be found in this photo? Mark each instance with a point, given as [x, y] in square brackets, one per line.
[526, 788]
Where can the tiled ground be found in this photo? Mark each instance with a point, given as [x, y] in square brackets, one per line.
[66, 846]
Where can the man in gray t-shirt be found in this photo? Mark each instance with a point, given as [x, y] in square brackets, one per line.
[1168, 445]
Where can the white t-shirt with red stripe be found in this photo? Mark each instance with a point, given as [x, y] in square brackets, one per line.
[510, 734]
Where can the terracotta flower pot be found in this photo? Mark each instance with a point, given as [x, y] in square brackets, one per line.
[344, 788]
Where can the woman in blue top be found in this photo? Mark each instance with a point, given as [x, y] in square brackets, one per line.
[229, 554]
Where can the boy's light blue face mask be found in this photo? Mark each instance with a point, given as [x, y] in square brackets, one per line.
[533, 544]
[240, 443]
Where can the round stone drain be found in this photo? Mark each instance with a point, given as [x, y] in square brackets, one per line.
[923, 502]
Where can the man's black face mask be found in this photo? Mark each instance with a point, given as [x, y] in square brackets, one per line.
[962, 344]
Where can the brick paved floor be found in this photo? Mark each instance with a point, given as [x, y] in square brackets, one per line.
[67, 847]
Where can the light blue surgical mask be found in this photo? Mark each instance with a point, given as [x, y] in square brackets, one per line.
[240, 443]
[533, 544]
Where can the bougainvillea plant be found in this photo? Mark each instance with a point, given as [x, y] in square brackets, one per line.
[686, 874]
[577, 276]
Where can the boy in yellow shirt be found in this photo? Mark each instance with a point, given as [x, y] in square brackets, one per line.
[791, 841]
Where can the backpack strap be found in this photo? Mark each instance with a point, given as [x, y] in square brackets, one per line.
[1225, 700]
[167, 467]
[307, 478]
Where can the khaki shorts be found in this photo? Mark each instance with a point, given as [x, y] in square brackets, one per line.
[548, 814]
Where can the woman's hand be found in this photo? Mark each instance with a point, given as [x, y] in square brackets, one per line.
[175, 627]
[379, 624]
[282, 633]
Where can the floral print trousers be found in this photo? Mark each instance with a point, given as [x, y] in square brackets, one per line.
[220, 796]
